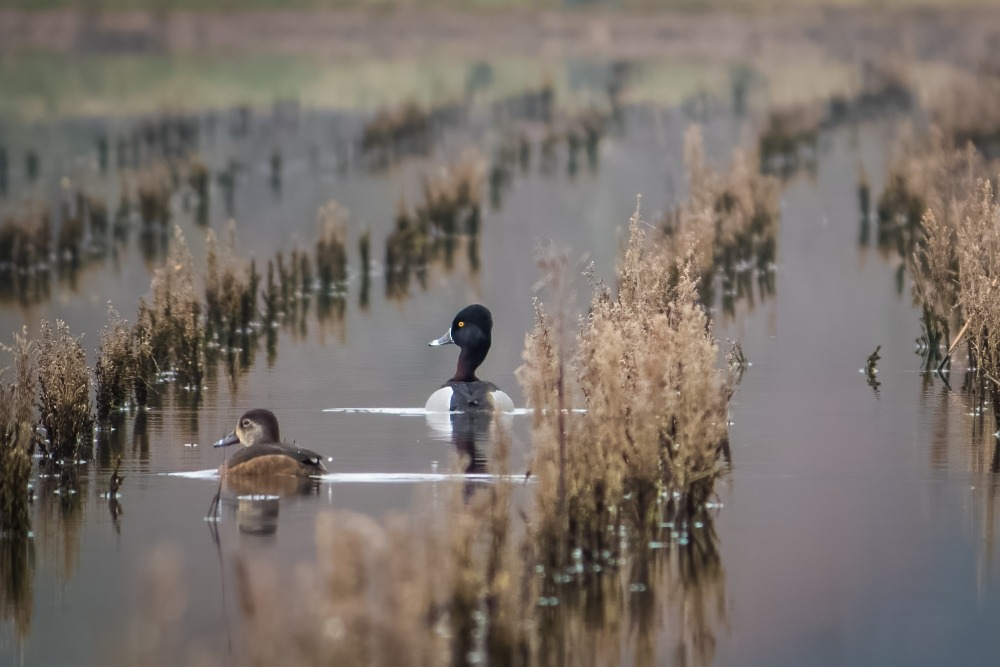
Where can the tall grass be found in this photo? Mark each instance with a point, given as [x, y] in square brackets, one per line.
[927, 198]
[331, 246]
[115, 368]
[979, 289]
[17, 398]
[63, 397]
[171, 319]
[655, 425]
[230, 291]
[729, 222]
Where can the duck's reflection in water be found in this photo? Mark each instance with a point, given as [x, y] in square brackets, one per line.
[256, 500]
[470, 433]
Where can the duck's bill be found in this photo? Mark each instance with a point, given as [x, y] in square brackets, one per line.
[230, 439]
[443, 340]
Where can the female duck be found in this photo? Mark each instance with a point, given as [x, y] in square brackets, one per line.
[471, 330]
[263, 453]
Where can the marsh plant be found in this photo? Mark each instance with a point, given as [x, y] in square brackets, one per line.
[154, 187]
[17, 397]
[452, 196]
[331, 246]
[115, 370]
[64, 408]
[230, 291]
[397, 132]
[966, 110]
[788, 141]
[729, 223]
[171, 319]
[979, 290]
[26, 239]
[449, 213]
[654, 435]
[929, 195]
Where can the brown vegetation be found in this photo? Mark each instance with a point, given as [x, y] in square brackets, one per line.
[230, 291]
[451, 207]
[63, 396]
[17, 398]
[171, 319]
[655, 428]
[331, 246]
[729, 223]
[114, 370]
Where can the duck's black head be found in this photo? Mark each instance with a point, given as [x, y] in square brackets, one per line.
[255, 426]
[472, 331]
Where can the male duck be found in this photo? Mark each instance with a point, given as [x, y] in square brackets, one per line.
[263, 453]
[471, 331]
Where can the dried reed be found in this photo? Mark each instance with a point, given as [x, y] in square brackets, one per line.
[16, 420]
[230, 290]
[729, 223]
[64, 396]
[115, 369]
[171, 320]
[979, 288]
[656, 406]
[331, 246]
[396, 132]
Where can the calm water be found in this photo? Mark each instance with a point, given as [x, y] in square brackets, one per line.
[856, 527]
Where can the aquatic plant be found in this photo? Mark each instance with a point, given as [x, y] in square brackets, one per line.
[198, 177]
[171, 319]
[655, 424]
[788, 141]
[929, 193]
[979, 289]
[272, 298]
[230, 290]
[4, 171]
[584, 129]
[64, 408]
[395, 132]
[364, 249]
[95, 210]
[331, 246]
[276, 165]
[69, 241]
[16, 421]
[115, 368]
[934, 271]
[452, 196]
[26, 238]
[966, 112]
[871, 370]
[407, 250]
[154, 187]
[729, 221]
[31, 167]
[144, 368]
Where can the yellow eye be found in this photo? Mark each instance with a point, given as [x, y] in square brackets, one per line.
[461, 324]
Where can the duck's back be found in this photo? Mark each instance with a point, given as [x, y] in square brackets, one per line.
[275, 458]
